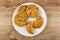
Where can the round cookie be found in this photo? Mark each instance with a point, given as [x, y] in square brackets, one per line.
[32, 11]
[19, 20]
[22, 10]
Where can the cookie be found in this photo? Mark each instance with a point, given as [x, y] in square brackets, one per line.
[32, 11]
[19, 20]
[38, 22]
[29, 28]
[22, 10]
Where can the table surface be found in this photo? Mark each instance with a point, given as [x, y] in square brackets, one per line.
[52, 30]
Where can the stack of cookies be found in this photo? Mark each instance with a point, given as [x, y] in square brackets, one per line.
[25, 12]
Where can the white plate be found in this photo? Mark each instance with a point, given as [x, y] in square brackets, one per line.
[22, 30]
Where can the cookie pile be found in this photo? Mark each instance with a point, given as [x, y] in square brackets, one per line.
[25, 12]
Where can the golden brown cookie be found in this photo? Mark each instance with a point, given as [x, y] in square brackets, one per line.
[32, 11]
[29, 28]
[22, 10]
[38, 23]
[19, 20]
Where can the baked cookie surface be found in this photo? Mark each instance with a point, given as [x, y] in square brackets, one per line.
[32, 11]
[22, 10]
[19, 20]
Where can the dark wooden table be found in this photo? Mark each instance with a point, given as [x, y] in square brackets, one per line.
[52, 30]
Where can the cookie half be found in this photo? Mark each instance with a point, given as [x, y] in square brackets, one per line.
[38, 22]
[29, 28]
